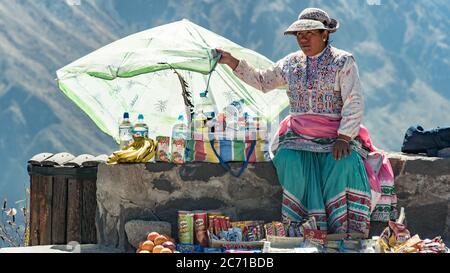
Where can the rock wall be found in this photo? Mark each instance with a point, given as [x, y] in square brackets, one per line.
[156, 191]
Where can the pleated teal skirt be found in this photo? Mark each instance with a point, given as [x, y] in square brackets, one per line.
[335, 192]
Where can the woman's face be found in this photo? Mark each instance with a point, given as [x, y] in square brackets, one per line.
[311, 41]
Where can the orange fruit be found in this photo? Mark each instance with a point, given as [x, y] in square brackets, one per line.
[152, 235]
[147, 245]
[160, 240]
[157, 249]
[165, 250]
[144, 251]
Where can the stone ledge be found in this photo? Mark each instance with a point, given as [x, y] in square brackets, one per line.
[155, 192]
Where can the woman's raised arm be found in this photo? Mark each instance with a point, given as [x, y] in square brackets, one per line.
[264, 80]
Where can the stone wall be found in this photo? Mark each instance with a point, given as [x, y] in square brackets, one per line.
[156, 191]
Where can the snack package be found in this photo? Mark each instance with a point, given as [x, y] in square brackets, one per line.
[211, 224]
[178, 148]
[279, 229]
[185, 227]
[201, 236]
[409, 246]
[254, 231]
[162, 149]
[396, 233]
[269, 229]
[315, 236]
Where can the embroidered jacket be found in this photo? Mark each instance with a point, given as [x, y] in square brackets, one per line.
[325, 84]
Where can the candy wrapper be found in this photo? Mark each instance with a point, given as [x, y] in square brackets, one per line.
[270, 231]
[433, 246]
[395, 234]
[231, 235]
[275, 229]
[316, 236]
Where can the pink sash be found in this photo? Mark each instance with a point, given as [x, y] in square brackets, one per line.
[325, 127]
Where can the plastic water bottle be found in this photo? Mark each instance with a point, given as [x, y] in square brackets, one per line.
[239, 104]
[207, 106]
[179, 135]
[233, 111]
[200, 125]
[241, 128]
[140, 127]
[125, 131]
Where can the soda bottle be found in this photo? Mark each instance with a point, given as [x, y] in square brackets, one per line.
[140, 127]
[125, 131]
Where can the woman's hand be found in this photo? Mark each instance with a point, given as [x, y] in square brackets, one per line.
[227, 59]
[341, 147]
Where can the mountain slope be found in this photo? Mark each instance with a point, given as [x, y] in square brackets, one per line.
[401, 49]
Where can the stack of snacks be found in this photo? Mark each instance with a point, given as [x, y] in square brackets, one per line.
[397, 239]
[275, 229]
[192, 227]
[251, 230]
[217, 224]
[433, 246]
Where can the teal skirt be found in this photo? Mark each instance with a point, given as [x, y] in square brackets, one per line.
[335, 192]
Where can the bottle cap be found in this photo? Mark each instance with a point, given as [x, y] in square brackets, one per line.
[126, 115]
[140, 116]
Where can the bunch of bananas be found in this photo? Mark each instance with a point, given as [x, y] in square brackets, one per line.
[139, 151]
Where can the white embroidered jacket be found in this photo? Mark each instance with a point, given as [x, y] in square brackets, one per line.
[326, 84]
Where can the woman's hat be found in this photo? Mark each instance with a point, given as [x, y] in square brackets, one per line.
[313, 18]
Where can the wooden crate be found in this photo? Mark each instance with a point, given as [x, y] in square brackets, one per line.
[62, 205]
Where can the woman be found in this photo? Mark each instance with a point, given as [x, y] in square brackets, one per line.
[321, 175]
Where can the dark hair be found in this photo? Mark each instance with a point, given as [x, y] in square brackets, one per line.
[328, 37]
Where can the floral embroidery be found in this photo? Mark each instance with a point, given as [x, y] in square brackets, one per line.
[311, 82]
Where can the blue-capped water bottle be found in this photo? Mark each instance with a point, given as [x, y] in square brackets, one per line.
[125, 131]
[140, 127]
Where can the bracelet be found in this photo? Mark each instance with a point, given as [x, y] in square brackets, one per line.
[341, 139]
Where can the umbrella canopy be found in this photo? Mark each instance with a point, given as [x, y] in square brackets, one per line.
[134, 75]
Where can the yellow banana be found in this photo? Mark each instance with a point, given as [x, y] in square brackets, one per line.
[150, 153]
[129, 157]
[143, 151]
[148, 157]
[140, 150]
[123, 152]
[112, 159]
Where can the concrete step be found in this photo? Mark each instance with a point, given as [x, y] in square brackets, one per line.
[70, 248]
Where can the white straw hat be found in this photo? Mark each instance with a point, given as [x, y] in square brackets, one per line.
[313, 18]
